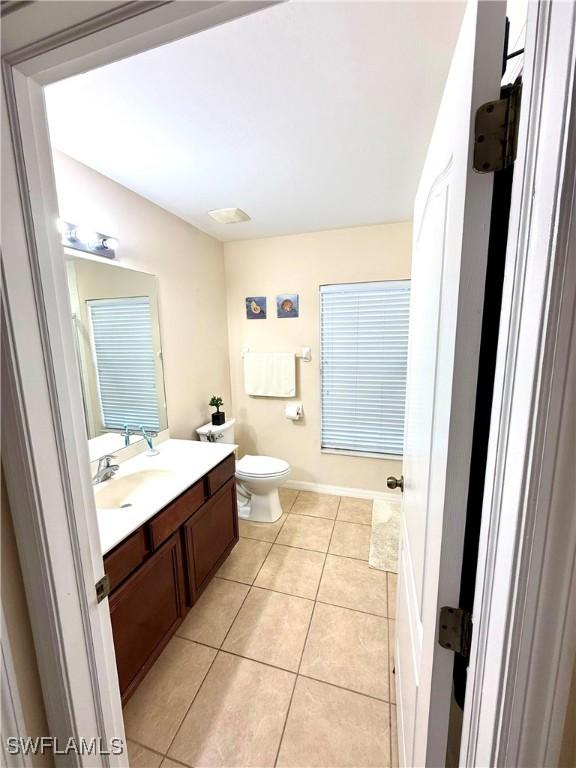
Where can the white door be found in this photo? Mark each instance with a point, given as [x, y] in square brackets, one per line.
[451, 228]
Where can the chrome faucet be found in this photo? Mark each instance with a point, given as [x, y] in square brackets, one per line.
[148, 435]
[105, 469]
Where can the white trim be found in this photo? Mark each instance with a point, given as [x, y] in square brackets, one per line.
[340, 490]
[363, 454]
[525, 602]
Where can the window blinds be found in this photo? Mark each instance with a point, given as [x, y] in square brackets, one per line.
[364, 343]
[125, 363]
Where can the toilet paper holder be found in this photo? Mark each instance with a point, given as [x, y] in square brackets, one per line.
[294, 411]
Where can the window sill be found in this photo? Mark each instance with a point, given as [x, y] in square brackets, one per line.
[363, 454]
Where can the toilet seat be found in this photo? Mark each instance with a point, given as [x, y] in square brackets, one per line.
[261, 466]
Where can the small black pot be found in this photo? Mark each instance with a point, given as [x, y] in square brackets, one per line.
[218, 418]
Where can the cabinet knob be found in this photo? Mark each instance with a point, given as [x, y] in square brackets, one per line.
[395, 482]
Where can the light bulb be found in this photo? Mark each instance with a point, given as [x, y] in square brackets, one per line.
[87, 236]
[110, 243]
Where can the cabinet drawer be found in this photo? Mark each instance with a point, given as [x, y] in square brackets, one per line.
[120, 563]
[170, 519]
[216, 478]
[145, 612]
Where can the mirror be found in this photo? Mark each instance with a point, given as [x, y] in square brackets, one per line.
[117, 336]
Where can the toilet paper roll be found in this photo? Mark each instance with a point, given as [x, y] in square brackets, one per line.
[294, 411]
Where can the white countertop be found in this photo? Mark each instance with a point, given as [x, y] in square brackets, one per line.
[183, 462]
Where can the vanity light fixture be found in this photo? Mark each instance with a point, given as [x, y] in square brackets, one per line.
[87, 240]
[229, 215]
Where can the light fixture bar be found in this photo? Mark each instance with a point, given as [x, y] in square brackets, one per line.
[87, 241]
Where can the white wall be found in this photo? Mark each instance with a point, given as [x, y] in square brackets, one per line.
[300, 264]
[190, 269]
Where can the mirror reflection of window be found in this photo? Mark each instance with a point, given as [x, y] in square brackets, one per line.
[118, 346]
[124, 360]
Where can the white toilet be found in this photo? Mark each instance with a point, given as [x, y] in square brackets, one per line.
[258, 477]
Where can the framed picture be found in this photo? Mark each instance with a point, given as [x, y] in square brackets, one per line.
[287, 305]
[256, 307]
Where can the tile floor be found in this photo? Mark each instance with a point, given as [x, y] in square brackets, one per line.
[286, 658]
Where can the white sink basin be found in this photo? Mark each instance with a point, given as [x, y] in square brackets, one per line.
[146, 484]
[131, 489]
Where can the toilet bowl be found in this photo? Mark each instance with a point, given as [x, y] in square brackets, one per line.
[258, 478]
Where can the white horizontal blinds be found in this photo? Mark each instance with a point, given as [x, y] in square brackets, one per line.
[124, 361]
[364, 328]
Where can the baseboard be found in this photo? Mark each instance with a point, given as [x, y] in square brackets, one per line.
[339, 490]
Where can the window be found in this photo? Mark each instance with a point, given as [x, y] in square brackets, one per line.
[124, 360]
[364, 343]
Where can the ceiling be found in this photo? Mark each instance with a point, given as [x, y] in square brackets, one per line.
[307, 115]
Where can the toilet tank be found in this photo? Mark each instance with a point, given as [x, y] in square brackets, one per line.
[217, 434]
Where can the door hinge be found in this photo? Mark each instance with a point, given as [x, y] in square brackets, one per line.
[102, 588]
[496, 131]
[455, 630]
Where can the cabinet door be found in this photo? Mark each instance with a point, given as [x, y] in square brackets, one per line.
[145, 612]
[210, 536]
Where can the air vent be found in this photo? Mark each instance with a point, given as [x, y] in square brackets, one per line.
[229, 215]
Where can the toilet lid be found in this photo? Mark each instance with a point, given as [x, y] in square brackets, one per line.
[261, 466]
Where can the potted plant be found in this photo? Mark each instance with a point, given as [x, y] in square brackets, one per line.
[219, 417]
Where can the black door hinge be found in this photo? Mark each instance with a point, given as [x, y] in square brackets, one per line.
[102, 588]
[455, 630]
[496, 131]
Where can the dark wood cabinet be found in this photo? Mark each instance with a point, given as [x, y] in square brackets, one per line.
[165, 523]
[126, 557]
[158, 571]
[221, 473]
[145, 611]
[210, 536]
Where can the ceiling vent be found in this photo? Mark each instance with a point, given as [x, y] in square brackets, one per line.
[229, 215]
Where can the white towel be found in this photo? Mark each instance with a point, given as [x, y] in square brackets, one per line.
[270, 374]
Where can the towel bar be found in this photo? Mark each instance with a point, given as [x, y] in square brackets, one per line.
[305, 355]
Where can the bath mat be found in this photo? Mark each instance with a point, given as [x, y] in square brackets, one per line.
[385, 538]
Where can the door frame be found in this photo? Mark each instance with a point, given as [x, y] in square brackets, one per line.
[46, 464]
[520, 670]
[46, 467]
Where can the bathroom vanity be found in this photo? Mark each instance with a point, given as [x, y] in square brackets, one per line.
[167, 519]
[158, 569]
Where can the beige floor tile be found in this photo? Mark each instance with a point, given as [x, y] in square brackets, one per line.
[237, 718]
[287, 498]
[392, 584]
[351, 540]
[306, 532]
[391, 651]
[393, 737]
[349, 649]
[316, 505]
[140, 757]
[244, 562]
[271, 627]
[291, 570]
[353, 584]
[261, 531]
[355, 510]
[212, 616]
[167, 763]
[156, 709]
[330, 727]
